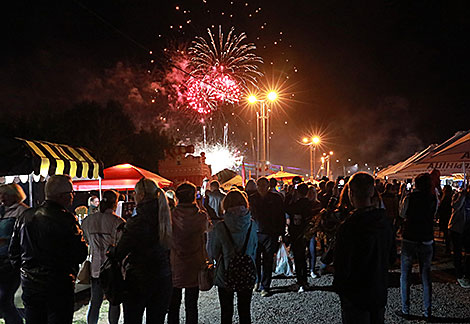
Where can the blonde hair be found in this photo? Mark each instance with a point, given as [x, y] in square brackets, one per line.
[13, 190]
[234, 198]
[151, 191]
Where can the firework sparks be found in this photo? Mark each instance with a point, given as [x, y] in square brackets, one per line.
[220, 156]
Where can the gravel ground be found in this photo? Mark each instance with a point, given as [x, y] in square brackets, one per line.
[451, 303]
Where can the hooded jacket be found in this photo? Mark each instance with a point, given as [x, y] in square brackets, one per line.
[364, 251]
[269, 213]
[188, 249]
[238, 220]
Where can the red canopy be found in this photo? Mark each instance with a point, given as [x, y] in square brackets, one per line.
[121, 176]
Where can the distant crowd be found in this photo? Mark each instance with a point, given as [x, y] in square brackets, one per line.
[187, 241]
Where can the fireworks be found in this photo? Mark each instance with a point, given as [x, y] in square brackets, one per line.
[220, 156]
[222, 69]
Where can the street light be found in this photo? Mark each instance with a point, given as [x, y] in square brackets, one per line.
[312, 142]
[262, 130]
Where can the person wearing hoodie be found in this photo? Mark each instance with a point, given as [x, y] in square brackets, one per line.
[187, 254]
[363, 253]
[146, 241]
[237, 219]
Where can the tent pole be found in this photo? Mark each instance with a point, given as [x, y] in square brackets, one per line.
[99, 181]
[464, 175]
[30, 188]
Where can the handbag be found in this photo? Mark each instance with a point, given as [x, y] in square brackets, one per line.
[206, 276]
[206, 273]
[84, 274]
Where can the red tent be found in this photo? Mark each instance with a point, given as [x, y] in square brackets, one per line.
[121, 176]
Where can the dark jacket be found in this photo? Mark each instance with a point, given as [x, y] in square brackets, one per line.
[419, 216]
[444, 211]
[48, 245]
[147, 260]
[269, 213]
[364, 250]
[300, 214]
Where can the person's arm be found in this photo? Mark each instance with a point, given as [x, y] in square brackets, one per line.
[342, 256]
[126, 243]
[78, 244]
[404, 206]
[215, 245]
[14, 250]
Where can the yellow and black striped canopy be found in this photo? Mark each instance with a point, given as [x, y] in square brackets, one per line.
[19, 156]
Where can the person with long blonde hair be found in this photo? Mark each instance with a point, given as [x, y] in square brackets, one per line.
[146, 243]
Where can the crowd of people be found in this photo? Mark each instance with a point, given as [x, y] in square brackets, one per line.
[349, 225]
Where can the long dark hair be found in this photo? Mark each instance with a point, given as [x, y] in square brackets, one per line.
[109, 200]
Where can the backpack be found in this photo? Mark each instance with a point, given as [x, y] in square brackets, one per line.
[241, 271]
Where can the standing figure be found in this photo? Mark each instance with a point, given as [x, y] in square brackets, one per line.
[188, 253]
[11, 197]
[48, 246]
[93, 205]
[236, 232]
[418, 209]
[363, 253]
[268, 212]
[146, 242]
[101, 230]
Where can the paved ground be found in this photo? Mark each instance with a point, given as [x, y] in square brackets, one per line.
[451, 303]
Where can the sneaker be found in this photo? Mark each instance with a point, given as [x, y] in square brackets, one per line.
[313, 275]
[301, 289]
[256, 287]
[463, 282]
[403, 315]
[264, 293]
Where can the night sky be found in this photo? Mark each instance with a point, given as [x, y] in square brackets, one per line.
[378, 79]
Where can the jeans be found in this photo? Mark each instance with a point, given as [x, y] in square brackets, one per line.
[243, 302]
[313, 253]
[95, 304]
[191, 296]
[9, 283]
[267, 247]
[54, 306]
[154, 301]
[298, 248]
[459, 243]
[424, 254]
[351, 314]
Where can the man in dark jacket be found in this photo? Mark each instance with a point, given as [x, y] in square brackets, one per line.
[364, 250]
[300, 213]
[267, 209]
[47, 244]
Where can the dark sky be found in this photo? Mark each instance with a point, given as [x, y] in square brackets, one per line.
[380, 79]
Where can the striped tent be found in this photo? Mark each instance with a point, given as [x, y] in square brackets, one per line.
[24, 157]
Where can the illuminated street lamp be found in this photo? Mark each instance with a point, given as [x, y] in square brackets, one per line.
[262, 128]
[312, 142]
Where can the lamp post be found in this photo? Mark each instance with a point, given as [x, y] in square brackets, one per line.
[312, 143]
[262, 129]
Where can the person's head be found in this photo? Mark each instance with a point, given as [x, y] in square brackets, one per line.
[447, 191]
[234, 198]
[214, 185]
[109, 201]
[59, 189]
[388, 188]
[263, 186]
[302, 189]
[312, 194]
[330, 185]
[186, 193]
[11, 194]
[147, 190]
[361, 190]
[272, 184]
[93, 201]
[250, 186]
[296, 180]
[322, 185]
[423, 182]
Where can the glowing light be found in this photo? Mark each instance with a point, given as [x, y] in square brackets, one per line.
[220, 157]
[316, 139]
[331, 152]
[272, 96]
[305, 140]
[252, 99]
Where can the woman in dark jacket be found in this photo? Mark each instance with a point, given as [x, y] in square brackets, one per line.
[145, 242]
